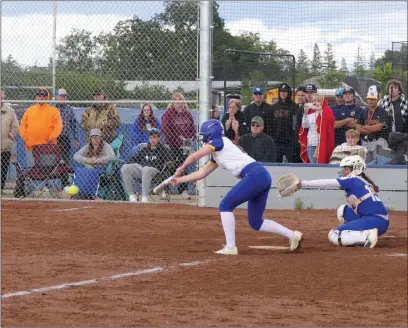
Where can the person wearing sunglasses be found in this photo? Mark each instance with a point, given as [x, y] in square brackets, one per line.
[257, 143]
[41, 123]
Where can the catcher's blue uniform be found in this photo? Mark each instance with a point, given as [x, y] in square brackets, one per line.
[371, 212]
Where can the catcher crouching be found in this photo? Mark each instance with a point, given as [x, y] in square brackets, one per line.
[363, 218]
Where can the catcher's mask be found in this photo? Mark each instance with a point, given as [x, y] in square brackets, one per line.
[355, 163]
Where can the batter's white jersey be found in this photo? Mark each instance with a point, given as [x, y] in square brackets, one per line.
[228, 156]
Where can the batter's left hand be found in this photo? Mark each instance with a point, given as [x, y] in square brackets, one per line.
[175, 182]
[179, 172]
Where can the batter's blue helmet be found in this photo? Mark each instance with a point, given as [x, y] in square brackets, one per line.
[211, 130]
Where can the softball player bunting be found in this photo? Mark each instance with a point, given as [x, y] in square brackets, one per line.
[365, 217]
[253, 187]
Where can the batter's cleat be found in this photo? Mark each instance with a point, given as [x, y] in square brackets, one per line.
[295, 242]
[372, 238]
[228, 251]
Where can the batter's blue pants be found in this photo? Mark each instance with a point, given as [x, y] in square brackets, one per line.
[253, 188]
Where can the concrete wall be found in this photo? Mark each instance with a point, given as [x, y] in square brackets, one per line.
[391, 179]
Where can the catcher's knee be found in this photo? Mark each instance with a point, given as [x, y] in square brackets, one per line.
[334, 237]
[340, 213]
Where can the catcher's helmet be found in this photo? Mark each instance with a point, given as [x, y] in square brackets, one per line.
[211, 130]
[356, 163]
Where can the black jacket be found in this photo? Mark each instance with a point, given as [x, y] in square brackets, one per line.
[152, 157]
[264, 111]
[261, 148]
[284, 114]
[242, 125]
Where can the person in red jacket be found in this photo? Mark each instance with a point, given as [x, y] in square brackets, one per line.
[178, 128]
[325, 131]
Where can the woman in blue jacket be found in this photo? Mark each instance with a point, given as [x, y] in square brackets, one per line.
[145, 121]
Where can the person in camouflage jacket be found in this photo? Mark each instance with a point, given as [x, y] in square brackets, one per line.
[104, 117]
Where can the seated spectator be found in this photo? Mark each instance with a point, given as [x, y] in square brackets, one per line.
[97, 153]
[102, 116]
[215, 113]
[144, 122]
[348, 148]
[258, 144]
[145, 166]
[178, 128]
[234, 121]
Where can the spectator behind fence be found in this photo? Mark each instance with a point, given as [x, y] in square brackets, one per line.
[234, 121]
[215, 113]
[145, 165]
[41, 123]
[325, 130]
[309, 125]
[346, 116]
[259, 108]
[284, 115]
[349, 148]
[9, 131]
[97, 153]
[258, 144]
[374, 126]
[178, 127]
[102, 116]
[69, 126]
[396, 105]
[144, 122]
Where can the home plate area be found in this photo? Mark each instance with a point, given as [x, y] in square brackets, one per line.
[121, 264]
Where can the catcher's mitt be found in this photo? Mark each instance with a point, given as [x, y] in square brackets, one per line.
[288, 184]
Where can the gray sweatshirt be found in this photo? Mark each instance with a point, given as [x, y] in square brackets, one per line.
[107, 155]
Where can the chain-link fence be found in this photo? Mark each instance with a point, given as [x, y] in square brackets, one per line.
[106, 60]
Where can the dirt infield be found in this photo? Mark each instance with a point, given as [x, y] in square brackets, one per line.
[50, 244]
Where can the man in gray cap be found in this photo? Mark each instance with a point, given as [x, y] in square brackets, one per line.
[258, 144]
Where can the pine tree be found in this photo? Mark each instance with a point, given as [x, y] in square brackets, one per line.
[371, 63]
[329, 63]
[359, 66]
[302, 67]
[316, 65]
[343, 66]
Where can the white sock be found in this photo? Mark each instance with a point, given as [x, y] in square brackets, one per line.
[275, 227]
[351, 237]
[228, 224]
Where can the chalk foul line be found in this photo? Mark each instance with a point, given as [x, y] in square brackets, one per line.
[94, 281]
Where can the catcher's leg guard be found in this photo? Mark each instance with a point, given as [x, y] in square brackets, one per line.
[348, 237]
[340, 213]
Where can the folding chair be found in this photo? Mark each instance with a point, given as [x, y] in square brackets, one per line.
[42, 177]
[110, 182]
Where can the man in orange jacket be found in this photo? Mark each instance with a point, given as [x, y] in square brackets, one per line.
[41, 124]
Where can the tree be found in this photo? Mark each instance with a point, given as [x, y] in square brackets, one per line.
[76, 51]
[316, 66]
[331, 80]
[302, 67]
[343, 67]
[359, 66]
[329, 63]
[371, 63]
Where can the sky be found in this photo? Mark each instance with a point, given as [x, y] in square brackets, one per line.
[26, 26]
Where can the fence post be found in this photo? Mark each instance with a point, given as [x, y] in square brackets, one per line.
[205, 80]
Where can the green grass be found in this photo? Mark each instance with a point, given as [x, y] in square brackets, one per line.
[298, 204]
[389, 209]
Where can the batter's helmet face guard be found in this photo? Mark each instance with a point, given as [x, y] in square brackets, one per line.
[355, 165]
